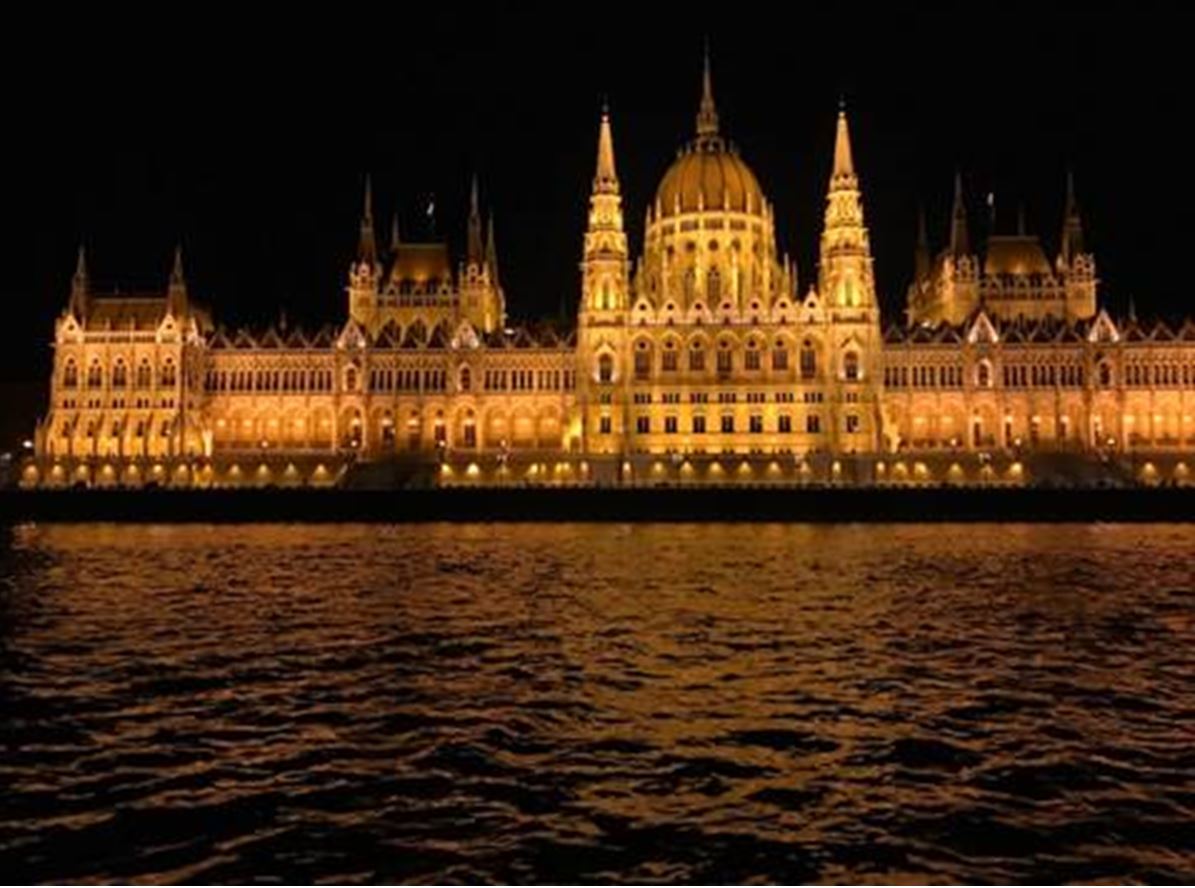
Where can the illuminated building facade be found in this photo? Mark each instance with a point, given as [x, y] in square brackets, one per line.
[704, 360]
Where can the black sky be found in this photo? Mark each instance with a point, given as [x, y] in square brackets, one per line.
[249, 139]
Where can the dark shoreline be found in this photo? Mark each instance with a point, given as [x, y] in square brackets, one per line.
[817, 504]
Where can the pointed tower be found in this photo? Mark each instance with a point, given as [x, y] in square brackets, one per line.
[365, 272]
[1075, 265]
[960, 243]
[604, 266]
[845, 271]
[80, 288]
[921, 254]
[491, 251]
[1072, 224]
[475, 253]
[847, 287]
[367, 247]
[176, 292]
[602, 341]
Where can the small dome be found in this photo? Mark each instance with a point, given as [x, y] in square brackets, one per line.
[1015, 255]
[709, 175]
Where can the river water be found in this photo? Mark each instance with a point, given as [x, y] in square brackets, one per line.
[597, 702]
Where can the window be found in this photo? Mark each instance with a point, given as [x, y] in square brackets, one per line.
[1105, 374]
[169, 377]
[465, 379]
[605, 368]
[724, 361]
[808, 361]
[698, 425]
[983, 375]
[350, 379]
[95, 375]
[813, 424]
[756, 424]
[604, 425]
[727, 423]
[852, 423]
[850, 366]
[70, 375]
[784, 424]
[779, 357]
[697, 358]
[470, 434]
[751, 359]
[643, 425]
[642, 362]
[714, 286]
[670, 360]
[670, 425]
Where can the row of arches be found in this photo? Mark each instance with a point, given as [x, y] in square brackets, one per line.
[118, 374]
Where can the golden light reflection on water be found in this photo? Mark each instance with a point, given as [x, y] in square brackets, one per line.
[535, 702]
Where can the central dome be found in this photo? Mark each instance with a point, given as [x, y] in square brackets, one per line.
[708, 174]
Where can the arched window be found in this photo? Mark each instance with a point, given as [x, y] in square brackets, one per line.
[350, 379]
[169, 377]
[70, 374]
[983, 375]
[713, 286]
[751, 359]
[697, 357]
[669, 357]
[605, 368]
[144, 375]
[808, 360]
[465, 382]
[642, 361]
[850, 366]
[779, 356]
[120, 375]
[725, 359]
[95, 375]
[1105, 375]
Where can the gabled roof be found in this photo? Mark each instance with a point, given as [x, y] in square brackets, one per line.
[243, 339]
[324, 337]
[440, 337]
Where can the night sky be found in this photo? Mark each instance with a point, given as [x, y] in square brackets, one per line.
[250, 139]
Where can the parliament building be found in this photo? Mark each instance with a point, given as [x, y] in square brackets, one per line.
[702, 359]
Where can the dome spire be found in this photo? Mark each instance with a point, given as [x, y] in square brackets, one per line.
[707, 114]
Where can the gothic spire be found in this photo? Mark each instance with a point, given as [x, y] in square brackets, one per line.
[491, 251]
[79, 285]
[606, 178]
[176, 294]
[921, 260]
[960, 244]
[367, 248]
[1072, 223]
[844, 164]
[475, 254]
[707, 114]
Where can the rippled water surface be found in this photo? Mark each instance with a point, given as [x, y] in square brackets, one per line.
[578, 702]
